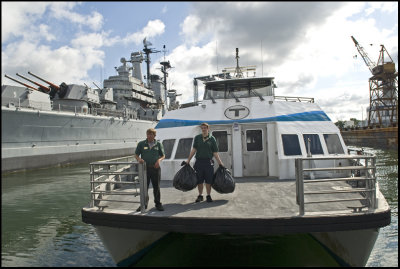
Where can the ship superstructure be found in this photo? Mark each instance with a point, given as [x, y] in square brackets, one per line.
[68, 123]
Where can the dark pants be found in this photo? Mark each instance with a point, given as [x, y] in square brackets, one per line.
[154, 175]
[204, 170]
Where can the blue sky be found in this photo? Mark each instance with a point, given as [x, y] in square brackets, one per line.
[306, 46]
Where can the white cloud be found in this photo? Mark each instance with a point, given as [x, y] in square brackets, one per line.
[153, 28]
[304, 45]
[189, 28]
[44, 31]
[25, 51]
[63, 11]
[12, 24]
[188, 62]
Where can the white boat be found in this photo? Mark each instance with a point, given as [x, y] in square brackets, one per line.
[293, 173]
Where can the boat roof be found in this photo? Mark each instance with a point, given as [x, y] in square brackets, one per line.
[239, 82]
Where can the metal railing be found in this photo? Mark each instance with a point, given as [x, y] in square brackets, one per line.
[361, 178]
[120, 176]
[295, 99]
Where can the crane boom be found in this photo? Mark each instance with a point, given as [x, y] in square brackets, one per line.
[370, 64]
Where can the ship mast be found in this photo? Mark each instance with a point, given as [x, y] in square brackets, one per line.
[165, 66]
[148, 51]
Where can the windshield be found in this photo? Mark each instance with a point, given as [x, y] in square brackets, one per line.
[238, 89]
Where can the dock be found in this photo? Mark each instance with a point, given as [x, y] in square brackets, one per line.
[385, 137]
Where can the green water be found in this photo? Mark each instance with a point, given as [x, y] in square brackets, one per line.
[41, 225]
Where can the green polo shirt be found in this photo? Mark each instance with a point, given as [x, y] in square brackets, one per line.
[205, 149]
[150, 155]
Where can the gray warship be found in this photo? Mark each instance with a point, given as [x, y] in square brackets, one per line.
[52, 125]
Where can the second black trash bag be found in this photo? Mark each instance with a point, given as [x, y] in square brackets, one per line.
[185, 179]
[223, 181]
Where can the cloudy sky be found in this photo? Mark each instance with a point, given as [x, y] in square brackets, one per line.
[306, 46]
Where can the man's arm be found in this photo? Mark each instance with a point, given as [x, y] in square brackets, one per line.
[191, 155]
[157, 164]
[140, 160]
[138, 152]
[216, 155]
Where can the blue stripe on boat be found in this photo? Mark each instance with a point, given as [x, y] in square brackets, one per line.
[304, 116]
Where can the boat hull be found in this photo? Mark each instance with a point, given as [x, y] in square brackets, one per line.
[36, 139]
[128, 246]
[349, 247]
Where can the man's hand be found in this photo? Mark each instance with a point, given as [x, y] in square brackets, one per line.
[157, 164]
[140, 160]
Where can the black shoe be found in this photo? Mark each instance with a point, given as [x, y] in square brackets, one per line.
[160, 207]
[209, 198]
[199, 198]
[139, 208]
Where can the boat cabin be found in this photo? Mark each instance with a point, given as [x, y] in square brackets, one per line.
[258, 134]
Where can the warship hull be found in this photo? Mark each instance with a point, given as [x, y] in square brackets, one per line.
[36, 139]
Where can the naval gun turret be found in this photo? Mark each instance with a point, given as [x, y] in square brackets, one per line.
[42, 88]
[27, 97]
[53, 87]
[19, 82]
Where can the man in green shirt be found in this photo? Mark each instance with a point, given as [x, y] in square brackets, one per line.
[151, 151]
[205, 146]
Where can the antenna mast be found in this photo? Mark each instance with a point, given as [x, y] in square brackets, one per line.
[165, 66]
[148, 51]
[238, 71]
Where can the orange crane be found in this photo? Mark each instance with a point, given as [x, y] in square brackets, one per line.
[383, 88]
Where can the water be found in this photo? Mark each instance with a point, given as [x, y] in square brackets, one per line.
[41, 220]
[385, 252]
[42, 226]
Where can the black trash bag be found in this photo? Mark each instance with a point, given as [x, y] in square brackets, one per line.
[223, 181]
[185, 179]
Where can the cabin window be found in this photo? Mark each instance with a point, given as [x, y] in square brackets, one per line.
[184, 147]
[315, 143]
[222, 140]
[333, 144]
[216, 94]
[168, 146]
[291, 145]
[264, 91]
[254, 140]
[239, 92]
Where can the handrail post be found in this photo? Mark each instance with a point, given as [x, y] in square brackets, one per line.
[296, 167]
[373, 179]
[300, 179]
[92, 185]
[143, 186]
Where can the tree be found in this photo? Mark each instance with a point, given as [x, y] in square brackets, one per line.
[340, 124]
[356, 122]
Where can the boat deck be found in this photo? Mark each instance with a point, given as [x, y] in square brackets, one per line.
[258, 205]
